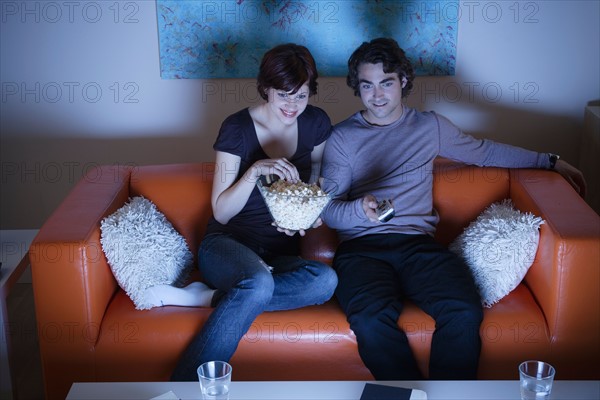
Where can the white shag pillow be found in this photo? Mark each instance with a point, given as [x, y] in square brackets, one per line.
[143, 249]
[499, 247]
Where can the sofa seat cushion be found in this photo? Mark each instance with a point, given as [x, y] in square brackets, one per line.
[144, 345]
[317, 338]
[513, 330]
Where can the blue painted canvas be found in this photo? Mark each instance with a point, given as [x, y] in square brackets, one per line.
[226, 39]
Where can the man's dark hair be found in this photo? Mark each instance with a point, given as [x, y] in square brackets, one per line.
[287, 67]
[385, 51]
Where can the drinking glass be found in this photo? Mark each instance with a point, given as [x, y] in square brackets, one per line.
[536, 380]
[215, 378]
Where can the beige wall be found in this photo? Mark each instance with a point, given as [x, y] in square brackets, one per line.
[84, 89]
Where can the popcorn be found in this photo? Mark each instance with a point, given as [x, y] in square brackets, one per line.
[294, 206]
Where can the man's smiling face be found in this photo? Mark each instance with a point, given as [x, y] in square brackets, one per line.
[381, 93]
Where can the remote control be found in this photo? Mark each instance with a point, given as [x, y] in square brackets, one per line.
[385, 210]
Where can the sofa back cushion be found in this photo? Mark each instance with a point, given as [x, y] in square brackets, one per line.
[181, 192]
[461, 192]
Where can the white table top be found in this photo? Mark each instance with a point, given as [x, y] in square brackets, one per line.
[331, 390]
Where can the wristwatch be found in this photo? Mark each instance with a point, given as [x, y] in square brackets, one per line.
[553, 158]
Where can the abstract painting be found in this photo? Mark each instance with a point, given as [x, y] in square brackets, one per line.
[226, 39]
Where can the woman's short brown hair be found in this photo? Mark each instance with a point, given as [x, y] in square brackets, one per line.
[287, 67]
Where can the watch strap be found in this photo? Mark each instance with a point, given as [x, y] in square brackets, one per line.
[553, 158]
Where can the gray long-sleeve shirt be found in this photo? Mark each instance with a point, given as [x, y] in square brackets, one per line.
[396, 162]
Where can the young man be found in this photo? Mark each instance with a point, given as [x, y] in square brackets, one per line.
[386, 152]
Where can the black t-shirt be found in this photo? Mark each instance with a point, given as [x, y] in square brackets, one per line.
[237, 136]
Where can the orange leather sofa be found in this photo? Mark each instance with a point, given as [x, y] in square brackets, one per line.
[90, 331]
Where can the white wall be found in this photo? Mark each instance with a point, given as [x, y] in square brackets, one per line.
[81, 86]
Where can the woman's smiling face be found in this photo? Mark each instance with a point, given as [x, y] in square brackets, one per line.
[287, 106]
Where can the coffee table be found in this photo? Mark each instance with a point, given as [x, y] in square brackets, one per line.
[330, 390]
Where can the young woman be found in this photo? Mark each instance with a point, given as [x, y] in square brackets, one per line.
[250, 265]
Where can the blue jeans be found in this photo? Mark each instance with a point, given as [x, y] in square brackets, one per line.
[246, 288]
[377, 273]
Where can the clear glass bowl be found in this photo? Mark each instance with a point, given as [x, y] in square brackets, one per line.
[293, 211]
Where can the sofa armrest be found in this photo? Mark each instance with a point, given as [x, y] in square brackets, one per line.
[72, 281]
[565, 275]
